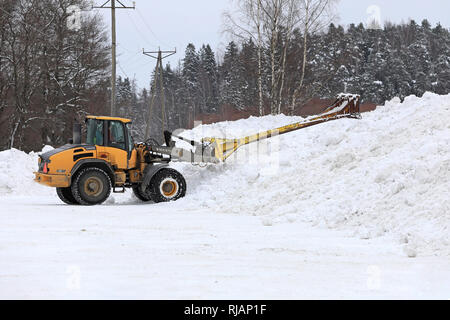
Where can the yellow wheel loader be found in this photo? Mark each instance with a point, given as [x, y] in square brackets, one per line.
[109, 160]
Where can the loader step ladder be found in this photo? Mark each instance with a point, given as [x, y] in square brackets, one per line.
[116, 190]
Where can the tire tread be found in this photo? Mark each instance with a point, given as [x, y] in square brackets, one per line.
[158, 177]
[76, 191]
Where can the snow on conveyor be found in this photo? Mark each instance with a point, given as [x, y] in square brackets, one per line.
[385, 175]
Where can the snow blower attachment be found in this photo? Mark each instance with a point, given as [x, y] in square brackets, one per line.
[214, 150]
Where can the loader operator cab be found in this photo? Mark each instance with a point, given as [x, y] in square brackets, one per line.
[109, 132]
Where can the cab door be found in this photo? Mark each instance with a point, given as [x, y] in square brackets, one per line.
[115, 146]
[132, 152]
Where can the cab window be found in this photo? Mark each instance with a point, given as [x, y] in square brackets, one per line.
[116, 135]
[94, 132]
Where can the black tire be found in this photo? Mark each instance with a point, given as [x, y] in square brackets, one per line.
[91, 186]
[167, 185]
[66, 196]
[141, 196]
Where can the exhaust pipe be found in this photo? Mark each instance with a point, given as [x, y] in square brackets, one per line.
[76, 139]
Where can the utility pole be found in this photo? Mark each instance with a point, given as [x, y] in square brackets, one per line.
[113, 8]
[158, 74]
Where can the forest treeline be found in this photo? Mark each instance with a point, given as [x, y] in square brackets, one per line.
[51, 75]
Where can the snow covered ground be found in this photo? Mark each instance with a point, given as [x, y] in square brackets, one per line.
[346, 209]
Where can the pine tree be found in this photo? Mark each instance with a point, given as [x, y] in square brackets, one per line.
[420, 59]
[209, 80]
[126, 97]
[191, 77]
[174, 110]
[355, 39]
[398, 80]
[441, 64]
[249, 60]
[233, 85]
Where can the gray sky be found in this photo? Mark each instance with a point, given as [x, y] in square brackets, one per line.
[175, 23]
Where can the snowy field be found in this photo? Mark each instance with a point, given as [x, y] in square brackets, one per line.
[347, 209]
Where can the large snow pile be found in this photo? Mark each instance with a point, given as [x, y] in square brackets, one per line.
[387, 174]
[16, 174]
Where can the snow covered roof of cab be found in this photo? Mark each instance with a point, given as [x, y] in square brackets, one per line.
[124, 120]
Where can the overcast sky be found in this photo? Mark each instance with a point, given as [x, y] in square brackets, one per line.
[173, 24]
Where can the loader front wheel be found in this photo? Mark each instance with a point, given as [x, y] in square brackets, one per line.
[167, 185]
[66, 196]
[91, 186]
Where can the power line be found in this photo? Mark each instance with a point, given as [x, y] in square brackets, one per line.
[131, 56]
[128, 50]
[133, 60]
[123, 71]
[150, 29]
[143, 37]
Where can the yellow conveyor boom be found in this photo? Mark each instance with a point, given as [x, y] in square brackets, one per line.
[345, 106]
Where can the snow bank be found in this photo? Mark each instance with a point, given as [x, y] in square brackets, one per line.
[387, 174]
[16, 174]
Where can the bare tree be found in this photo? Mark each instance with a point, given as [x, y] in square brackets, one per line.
[246, 23]
[23, 56]
[272, 22]
[48, 71]
[260, 20]
[259, 46]
[314, 16]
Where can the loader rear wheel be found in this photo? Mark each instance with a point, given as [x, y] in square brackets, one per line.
[91, 186]
[167, 185]
[65, 194]
[141, 196]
